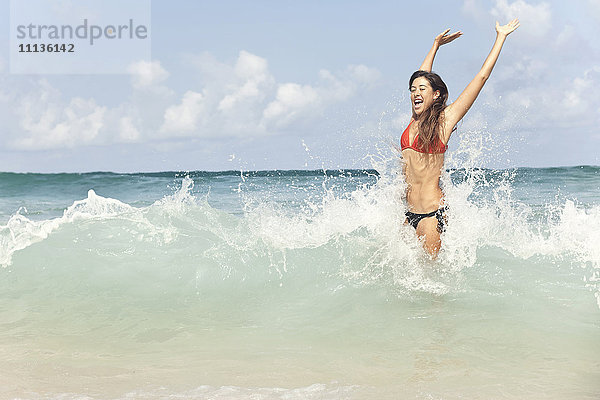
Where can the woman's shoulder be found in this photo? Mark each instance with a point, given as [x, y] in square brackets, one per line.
[446, 128]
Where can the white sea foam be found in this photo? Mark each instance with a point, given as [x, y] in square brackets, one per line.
[313, 392]
[21, 232]
[363, 228]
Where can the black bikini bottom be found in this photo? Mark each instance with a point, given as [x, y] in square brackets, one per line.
[414, 219]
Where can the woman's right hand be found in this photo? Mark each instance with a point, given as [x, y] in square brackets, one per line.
[444, 37]
[439, 40]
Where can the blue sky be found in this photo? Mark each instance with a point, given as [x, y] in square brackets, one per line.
[311, 84]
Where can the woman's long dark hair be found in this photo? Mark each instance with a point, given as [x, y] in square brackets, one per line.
[431, 118]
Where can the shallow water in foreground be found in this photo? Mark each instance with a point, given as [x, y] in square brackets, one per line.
[298, 285]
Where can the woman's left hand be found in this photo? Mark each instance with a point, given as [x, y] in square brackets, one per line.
[508, 28]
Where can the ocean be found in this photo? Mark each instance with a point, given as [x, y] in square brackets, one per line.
[298, 285]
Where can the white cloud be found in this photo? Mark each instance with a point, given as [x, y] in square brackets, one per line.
[254, 80]
[46, 124]
[294, 100]
[519, 100]
[240, 99]
[186, 116]
[250, 66]
[210, 71]
[364, 75]
[575, 99]
[128, 132]
[566, 36]
[595, 8]
[333, 88]
[244, 100]
[525, 69]
[291, 99]
[145, 73]
[536, 20]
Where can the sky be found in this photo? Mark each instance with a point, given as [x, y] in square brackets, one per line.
[258, 85]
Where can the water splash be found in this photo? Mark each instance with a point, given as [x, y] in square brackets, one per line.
[350, 226]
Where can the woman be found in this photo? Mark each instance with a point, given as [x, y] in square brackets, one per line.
[424, 141]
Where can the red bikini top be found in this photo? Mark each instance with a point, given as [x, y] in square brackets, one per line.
[405, 144]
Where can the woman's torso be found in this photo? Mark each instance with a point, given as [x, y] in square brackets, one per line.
[422, 173]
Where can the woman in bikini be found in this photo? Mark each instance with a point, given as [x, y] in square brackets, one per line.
[424, 141]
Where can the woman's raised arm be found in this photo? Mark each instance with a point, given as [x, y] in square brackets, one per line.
[457, 110]
[439, 40]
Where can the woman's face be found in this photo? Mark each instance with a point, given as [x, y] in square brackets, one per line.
[422, 95]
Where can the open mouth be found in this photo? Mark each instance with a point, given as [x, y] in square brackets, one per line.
[418, 102]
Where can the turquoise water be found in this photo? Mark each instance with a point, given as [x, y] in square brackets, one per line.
[298, 285]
